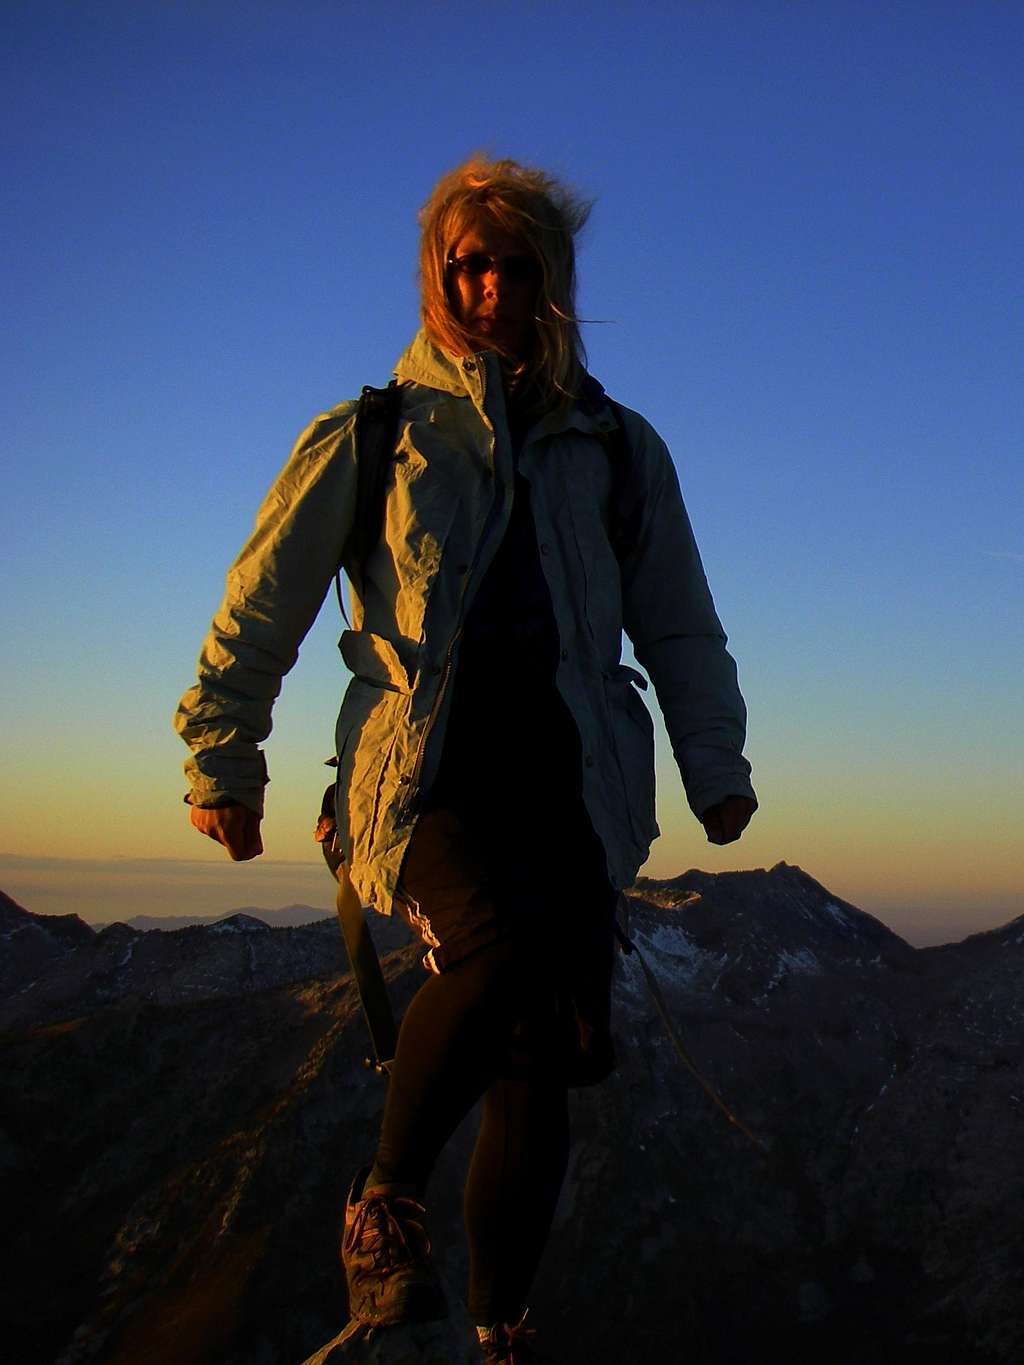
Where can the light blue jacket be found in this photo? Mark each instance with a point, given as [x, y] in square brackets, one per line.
[448, 501]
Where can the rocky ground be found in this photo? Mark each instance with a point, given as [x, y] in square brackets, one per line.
[180, 1114]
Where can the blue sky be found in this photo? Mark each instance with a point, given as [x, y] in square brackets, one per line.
[804, 266]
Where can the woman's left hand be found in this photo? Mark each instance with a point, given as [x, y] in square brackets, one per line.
[726, 821]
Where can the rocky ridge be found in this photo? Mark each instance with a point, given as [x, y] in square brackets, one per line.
[180, 1113]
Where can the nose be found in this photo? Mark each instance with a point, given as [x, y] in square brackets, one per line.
[493, 281]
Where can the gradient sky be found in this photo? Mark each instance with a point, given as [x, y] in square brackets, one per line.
[804, 266]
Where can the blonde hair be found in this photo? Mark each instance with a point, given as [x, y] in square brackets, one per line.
[546, 215]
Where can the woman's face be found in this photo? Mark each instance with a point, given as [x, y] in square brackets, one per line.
[493, 279]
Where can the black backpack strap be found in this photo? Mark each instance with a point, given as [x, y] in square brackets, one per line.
[627, 497]
[627, 493]
[376, 433]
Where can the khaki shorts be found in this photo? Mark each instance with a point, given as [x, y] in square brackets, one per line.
[465, 885]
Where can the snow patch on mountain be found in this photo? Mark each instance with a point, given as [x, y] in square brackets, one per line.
[802, 962]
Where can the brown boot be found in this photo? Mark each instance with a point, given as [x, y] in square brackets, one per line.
[386, 1255]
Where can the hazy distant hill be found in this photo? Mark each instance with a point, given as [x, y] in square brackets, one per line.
[180, 1113]
[286, 917]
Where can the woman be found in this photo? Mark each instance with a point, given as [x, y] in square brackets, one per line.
[495, 779]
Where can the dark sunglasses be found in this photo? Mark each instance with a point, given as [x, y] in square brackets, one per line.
[514, 269]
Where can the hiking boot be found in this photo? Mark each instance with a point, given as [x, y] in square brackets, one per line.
[386, 1255]
[509, 1343]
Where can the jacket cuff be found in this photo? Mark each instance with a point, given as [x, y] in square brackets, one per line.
[219, 779]
[703, 796]
[213, 803]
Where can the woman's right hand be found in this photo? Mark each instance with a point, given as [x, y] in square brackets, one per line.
[236, 827]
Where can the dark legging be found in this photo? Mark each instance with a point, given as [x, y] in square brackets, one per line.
[481, 1029]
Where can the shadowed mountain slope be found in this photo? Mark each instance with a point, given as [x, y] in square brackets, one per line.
[177, 1131]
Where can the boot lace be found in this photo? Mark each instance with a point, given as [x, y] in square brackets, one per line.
[508, 1343]
[386, 1228]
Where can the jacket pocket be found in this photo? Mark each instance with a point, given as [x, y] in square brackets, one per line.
[373, 711]
[373, 659]
[633, 731]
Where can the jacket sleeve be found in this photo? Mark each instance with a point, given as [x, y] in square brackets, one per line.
[670, 618]
[273, 592]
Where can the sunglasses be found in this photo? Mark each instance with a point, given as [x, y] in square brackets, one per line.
[513, 269]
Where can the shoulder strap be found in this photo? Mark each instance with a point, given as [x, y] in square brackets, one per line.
[376, 433]
[627, 494]
[627, 503]
[362, 953]
[369, 976]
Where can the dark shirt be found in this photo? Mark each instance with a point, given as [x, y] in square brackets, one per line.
[510, 737]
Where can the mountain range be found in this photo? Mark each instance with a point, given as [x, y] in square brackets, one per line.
[284, 917]
[180, 1114]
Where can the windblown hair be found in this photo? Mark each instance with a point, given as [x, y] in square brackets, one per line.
[547, 216]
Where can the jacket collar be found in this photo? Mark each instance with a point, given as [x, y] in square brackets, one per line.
[425, 363]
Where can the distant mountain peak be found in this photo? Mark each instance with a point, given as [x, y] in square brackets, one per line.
[239, 924]
[779, 920]
[284, 917]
